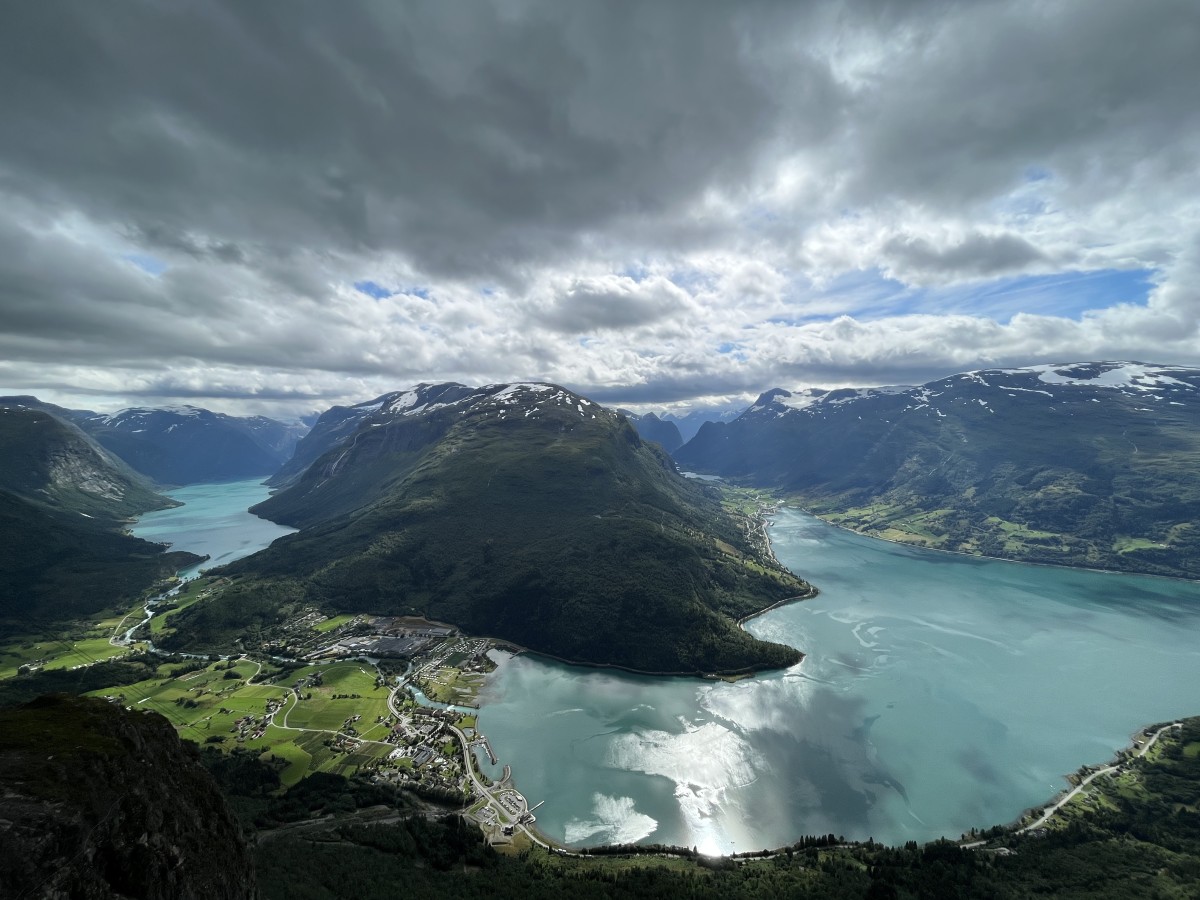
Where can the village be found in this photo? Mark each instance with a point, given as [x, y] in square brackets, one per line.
[390, 698]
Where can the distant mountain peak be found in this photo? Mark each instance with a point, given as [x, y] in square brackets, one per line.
[1087, 463]
[501, 399]
[1135, 375]
[662, 431]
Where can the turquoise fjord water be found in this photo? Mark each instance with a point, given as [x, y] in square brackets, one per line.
[940, 692]
[213, 521]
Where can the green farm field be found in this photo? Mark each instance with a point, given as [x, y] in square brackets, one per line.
[205, 705]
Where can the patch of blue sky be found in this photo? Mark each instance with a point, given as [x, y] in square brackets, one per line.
[864, 294]
[151, 265]
[635, 273]
[371, 289]
[732, 350]
[868, 295]
[693, 280]
[379, 292]
[1066, 294]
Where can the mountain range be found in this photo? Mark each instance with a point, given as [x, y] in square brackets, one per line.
[1093, 463]
[522, 511]
[652, 428]
[183, 444]
[690, 423]
[532, 513]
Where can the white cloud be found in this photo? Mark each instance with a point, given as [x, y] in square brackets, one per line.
[648, 203]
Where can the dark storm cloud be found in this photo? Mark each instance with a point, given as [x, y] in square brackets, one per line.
[466, 138]
[612, 303]
[612, 195]
[975, 254]
[1097, 88]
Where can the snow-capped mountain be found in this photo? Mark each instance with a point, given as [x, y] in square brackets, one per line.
[1087, 462]
[187, 444]
[340, 423]
[1067, 383]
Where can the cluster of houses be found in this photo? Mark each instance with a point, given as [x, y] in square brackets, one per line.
[250, 727]
[417, 739]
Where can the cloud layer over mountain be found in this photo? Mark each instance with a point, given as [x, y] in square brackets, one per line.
[273, 206]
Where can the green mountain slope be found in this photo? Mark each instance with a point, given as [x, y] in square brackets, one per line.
[523, 512]
[63, 502]
[52, 462]
[1093, 464]
[53, 565]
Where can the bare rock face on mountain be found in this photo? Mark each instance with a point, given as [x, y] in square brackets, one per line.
[103, 802]
[1090, 464]
[64, 502]
[52, 462]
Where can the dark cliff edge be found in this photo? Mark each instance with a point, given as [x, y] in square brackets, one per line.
[99, 801]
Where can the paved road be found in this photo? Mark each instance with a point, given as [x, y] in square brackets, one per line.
[481, 789]
[1050, 811]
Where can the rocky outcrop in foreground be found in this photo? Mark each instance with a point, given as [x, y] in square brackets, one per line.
[98, 801]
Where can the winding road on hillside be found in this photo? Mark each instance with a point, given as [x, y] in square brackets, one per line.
[1052, 809]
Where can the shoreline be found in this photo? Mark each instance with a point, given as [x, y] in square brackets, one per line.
[708, 676]
[963, 553]
[746, 671]
[1042, 813]
[812, 592]
[764, 521]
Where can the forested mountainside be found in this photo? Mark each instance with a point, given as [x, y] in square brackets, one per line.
[1091, 464]
[63, 504]
[521, 511]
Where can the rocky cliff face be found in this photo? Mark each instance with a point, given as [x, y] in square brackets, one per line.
[51, 462]
[100, 802]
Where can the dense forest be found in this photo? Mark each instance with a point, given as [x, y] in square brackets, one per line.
[560, 532]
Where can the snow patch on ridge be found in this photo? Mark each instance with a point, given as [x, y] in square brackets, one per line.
[1121, 375]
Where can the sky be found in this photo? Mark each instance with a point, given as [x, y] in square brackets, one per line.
[278, 206]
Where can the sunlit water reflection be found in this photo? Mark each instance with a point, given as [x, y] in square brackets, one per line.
[940, 692]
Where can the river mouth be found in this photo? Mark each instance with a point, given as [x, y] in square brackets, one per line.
[940, 693]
